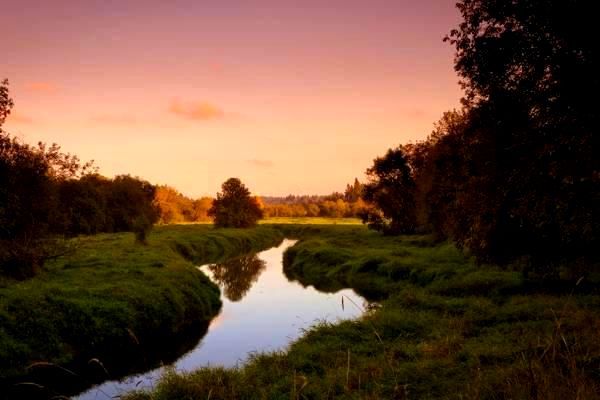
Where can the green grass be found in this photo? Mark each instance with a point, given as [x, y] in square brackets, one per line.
[116, 300]
[442, 328]
[311, 221]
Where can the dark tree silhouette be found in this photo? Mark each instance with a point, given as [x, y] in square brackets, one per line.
[391, 191]
[6, 103]
[237, 276]
[234, 207]
[28, 199]
[530, 182]
[46, 194]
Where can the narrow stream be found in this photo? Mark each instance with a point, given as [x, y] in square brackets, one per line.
[262, 311]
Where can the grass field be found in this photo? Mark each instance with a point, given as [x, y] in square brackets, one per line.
[442, 328]
[311, 221]
[113, 300]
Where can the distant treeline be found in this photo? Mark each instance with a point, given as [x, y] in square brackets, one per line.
[335, 205]
[174, 207]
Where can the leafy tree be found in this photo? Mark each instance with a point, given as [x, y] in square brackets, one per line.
[200, 209]
[526, 153]
[82, 206]
[353, 191]
[28, 176]
[234, 207]
[131, 206]
[390, 190]
[6, 103]
[174, 207]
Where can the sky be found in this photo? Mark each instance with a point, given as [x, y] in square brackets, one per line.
[289, 96]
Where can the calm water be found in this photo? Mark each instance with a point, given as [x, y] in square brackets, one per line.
[262, 311]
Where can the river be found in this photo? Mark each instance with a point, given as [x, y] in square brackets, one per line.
[262, 311]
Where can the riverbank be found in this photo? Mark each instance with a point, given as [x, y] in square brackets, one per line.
[104, 310]
[443, 328]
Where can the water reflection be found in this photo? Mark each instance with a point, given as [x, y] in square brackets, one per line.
[236, 277]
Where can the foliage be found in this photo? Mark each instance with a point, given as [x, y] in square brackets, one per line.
[234, 207]
[336, 205]
[6, 103]
[322, 208]
[391, 190]
[176, 208]
[530, 74]
[512, 177]
[28, 200]
[46, 194]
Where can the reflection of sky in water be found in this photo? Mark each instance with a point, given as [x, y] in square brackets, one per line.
[270, 315]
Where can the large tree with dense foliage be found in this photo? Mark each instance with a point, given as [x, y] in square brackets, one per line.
[47, 195]
[391, 191]
[28, 198]
[234, 207]
[512, 176]
[530, 72]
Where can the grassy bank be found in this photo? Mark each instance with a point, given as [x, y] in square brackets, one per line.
[443, 328]
[113, 300]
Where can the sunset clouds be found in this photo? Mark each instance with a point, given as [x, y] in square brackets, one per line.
[41, 86]
[197, 111]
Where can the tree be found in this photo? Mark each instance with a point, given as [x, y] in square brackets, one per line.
[530, 72]
[353, 191]
[6, 103]
[234, 207]
[131, 206]
[200, 209]
[28, 198]
[390, 190]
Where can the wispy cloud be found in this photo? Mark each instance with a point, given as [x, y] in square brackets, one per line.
[260, 163]
[199, 111]
[42, 86]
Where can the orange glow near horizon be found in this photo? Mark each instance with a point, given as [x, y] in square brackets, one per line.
[289, 98]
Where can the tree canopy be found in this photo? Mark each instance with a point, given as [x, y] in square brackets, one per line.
[391, 190]
[512, 176]
[47, 195]
[234, 207]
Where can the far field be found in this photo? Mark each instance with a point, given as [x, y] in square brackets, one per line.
[311, 221]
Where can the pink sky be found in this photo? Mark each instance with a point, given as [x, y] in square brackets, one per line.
[290, 96]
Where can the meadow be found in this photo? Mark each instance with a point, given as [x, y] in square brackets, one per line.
[87, 315]
[439, 326]
[310, 221]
